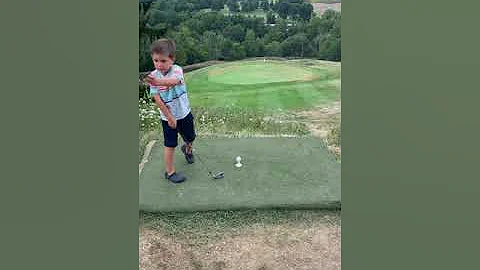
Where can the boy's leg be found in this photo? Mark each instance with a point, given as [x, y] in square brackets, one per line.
[187, 131]
[187, 152]
[170, 142]
[189, 147]
[168, 154]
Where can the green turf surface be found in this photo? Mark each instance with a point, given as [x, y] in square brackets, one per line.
[258, 73]
[276, 173]
[265, 85]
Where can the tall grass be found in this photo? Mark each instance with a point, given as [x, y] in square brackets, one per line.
[228, 120]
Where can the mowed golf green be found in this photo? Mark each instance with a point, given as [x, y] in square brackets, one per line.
[259, 73]
[265, 84]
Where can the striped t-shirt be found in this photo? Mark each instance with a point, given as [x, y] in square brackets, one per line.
[175, 97]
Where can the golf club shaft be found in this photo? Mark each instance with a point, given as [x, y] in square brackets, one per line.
[203, 163]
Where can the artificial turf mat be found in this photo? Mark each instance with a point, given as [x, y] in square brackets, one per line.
[276, 173]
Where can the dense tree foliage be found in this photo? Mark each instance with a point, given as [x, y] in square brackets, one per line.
[226, 30]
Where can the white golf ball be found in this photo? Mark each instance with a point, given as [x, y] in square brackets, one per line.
[238, 158]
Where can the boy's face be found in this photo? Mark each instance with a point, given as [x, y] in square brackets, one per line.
[161, 62]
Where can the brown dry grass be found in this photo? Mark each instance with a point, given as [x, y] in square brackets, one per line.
[292, 245]
[157, 251]
[320, 121]
[276, 247]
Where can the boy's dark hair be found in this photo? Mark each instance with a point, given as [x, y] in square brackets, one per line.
[164, 46]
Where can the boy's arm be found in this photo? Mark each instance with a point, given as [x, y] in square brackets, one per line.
[167, 82]
[170, 81]
[162, 106]
[171, 120]
[154, 92]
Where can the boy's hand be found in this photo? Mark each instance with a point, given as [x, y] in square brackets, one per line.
[149, 79]
[172, 122]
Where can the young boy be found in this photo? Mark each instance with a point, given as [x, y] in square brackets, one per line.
[167, 87]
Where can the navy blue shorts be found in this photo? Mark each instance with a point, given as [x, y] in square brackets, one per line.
[184, 127]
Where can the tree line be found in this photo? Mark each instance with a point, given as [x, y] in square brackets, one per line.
[203, 30]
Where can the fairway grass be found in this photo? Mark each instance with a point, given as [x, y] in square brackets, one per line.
[269, 85]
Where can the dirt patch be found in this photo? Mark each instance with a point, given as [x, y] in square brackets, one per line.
[221, 71]
[215, 72]
[157, 251]
[311, 77]
[320, 8]
[275, 247]
[320, 121]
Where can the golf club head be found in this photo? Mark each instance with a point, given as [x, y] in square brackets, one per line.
[218, 175]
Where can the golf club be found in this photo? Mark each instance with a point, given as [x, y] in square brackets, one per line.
[217, 175]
